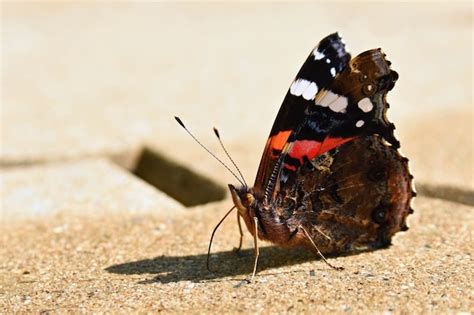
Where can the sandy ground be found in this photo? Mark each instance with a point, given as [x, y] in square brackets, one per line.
[152, 263]
[88, 95]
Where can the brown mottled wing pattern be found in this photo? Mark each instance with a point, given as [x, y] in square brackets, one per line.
[354, 196]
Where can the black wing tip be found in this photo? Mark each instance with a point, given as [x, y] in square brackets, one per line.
[335, 45]
[333, 37]
[179, 121]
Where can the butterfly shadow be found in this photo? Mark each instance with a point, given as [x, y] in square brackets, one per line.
[167, 269]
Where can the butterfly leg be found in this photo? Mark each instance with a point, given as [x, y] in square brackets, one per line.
[237, 250]
[322, 233]
[318, 251]
[256, 249]
[212, 238]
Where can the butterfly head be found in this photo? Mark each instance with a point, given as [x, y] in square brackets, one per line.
[247, 204]
[243, 199]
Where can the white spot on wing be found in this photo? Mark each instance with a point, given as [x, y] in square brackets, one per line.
[310, 92]
[333, 71]
[337, 103]
[360, 123]
[326, 98]
[298, 86]
[328, 60]
[318, 55]
[305, 88]
[365, 105]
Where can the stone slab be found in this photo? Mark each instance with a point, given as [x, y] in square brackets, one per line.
[87, 187]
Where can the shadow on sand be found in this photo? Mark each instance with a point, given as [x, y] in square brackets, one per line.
[225, 264]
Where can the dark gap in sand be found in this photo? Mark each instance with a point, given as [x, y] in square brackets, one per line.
[455, 194]
[176, 180]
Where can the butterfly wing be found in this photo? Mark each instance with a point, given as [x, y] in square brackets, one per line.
[355, 196]
[327, 60]
[353, 105]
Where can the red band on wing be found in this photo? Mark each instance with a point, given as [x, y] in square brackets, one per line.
[330, 143]
[312, 148]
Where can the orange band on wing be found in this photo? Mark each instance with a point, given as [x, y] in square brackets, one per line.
[277, 142]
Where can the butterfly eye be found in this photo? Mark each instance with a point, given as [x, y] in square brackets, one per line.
[248, 200]
[379, 214]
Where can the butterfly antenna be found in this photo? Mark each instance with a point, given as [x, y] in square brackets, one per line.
[228, 155]
[212, 154]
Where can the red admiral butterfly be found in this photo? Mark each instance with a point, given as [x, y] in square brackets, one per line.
[330, 178]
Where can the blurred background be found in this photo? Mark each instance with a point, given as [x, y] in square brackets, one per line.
[88, 94]
[85, 79]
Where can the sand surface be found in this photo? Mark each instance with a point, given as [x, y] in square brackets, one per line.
[152, 263]
[97, 178]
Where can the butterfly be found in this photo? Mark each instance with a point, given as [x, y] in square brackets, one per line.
[331, 178]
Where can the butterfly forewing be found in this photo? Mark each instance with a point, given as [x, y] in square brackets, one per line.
[353, 105]
[323, 64]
